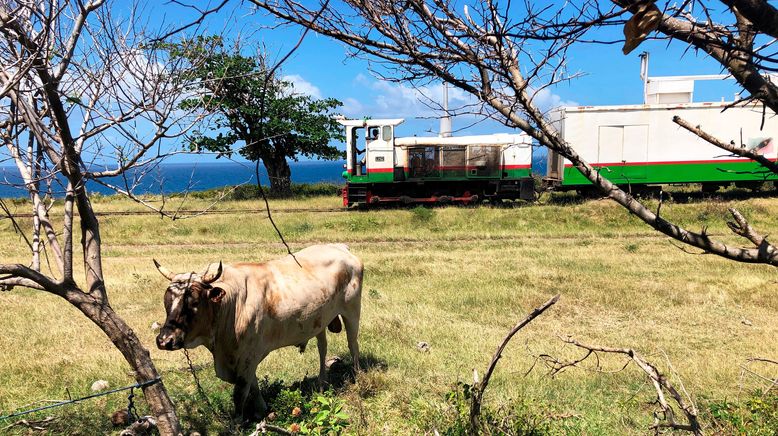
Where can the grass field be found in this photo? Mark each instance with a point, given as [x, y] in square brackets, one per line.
[456, 278]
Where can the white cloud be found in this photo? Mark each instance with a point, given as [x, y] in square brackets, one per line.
[546, 100]
[353, 108]
[400, 100]
[392, 99]
[302, 86]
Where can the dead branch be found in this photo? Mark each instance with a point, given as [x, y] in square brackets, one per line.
[746, 368]
[480, 387]
[263, 428]
[741, 150]
[665, 416]
[39, 425]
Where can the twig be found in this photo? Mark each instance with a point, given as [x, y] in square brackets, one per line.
[480, 387]
[741, 228]
[263, 427]
[33, 425]
[269, 77]
[665, 416]
[732, 148]
[746, 369]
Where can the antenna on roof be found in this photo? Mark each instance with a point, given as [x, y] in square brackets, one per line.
[644, 74]
[445, 120]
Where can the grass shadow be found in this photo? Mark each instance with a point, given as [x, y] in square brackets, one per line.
[340, 374]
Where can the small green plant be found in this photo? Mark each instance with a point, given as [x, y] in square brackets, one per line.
[328, 417]
[301, 228]
[757, 415]
[286, 401]
[320, 415]
[632, 248]
[518, 417]
[422, 214]
[363, 222]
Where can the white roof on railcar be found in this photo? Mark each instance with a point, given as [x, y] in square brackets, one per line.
[371, 122]
[494, 139]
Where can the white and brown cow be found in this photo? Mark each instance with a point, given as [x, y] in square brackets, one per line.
[242, 312]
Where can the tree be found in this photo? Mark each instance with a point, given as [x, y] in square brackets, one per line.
[257, 108]
[504, 54]
[84, 97]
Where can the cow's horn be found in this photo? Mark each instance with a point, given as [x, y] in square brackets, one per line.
[164, 271]
[210, 278]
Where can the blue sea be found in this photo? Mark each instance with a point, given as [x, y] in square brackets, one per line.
[181, 177]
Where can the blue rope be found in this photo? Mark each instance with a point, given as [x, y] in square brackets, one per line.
[65, 403]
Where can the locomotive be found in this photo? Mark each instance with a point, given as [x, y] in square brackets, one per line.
[633, 146]
[381, 168]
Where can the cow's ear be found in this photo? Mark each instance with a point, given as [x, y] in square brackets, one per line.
[216, 294]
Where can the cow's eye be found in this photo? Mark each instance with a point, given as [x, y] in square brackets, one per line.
[191, 300]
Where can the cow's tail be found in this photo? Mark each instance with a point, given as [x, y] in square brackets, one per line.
[336, 326]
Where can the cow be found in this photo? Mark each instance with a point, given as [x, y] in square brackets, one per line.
[243, 311]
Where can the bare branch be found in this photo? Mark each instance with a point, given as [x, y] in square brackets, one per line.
[665, 417]
[730, 147]
[21, 275]
[480, 387]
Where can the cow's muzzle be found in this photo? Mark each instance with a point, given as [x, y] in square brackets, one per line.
[169, 340]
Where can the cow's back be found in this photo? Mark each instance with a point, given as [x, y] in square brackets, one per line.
[289, 300]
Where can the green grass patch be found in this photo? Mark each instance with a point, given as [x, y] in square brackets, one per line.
[455, 278]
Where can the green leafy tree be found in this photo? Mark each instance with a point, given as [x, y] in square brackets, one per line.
[256, 114]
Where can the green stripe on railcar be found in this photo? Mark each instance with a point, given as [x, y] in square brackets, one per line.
[674, 173]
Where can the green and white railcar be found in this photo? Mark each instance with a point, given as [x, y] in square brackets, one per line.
[640, 145]
[382, 168]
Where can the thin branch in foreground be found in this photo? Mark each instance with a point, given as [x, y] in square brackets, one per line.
[665, 416]
[264, 428]
[741, 151]
[480, 387]
[746, 369]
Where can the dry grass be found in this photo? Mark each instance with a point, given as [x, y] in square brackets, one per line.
[458, 279]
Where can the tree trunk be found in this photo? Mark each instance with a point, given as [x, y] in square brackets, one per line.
[125, 340]
[280, 176]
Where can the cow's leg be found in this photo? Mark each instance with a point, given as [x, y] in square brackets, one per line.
[321, 343]
[240, 394]
[257, 404]
[352, 331]
[249, 404]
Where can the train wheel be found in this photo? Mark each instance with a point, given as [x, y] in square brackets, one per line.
[710, 188]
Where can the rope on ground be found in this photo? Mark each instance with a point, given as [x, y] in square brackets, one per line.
[88, 397]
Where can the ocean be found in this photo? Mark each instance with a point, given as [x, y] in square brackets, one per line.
[181, 177]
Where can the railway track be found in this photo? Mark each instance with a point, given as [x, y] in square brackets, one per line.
[189, 213]
[647, 236]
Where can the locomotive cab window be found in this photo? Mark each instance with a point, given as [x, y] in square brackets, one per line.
[358, 151]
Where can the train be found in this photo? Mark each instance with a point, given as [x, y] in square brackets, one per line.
[634, 146]
[466, 169]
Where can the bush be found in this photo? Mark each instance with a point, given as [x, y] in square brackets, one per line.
[518, 417]
[320, 415]
[422, 214]
[757, 415]
[251, 191]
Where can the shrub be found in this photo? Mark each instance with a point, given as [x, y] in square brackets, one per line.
[422, 214]
[757, 415]
[320, 415]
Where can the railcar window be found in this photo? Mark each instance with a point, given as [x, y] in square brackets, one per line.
[386, 134]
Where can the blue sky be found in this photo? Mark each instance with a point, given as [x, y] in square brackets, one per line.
[321, 68]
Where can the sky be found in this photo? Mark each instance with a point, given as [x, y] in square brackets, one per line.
[321, 68]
